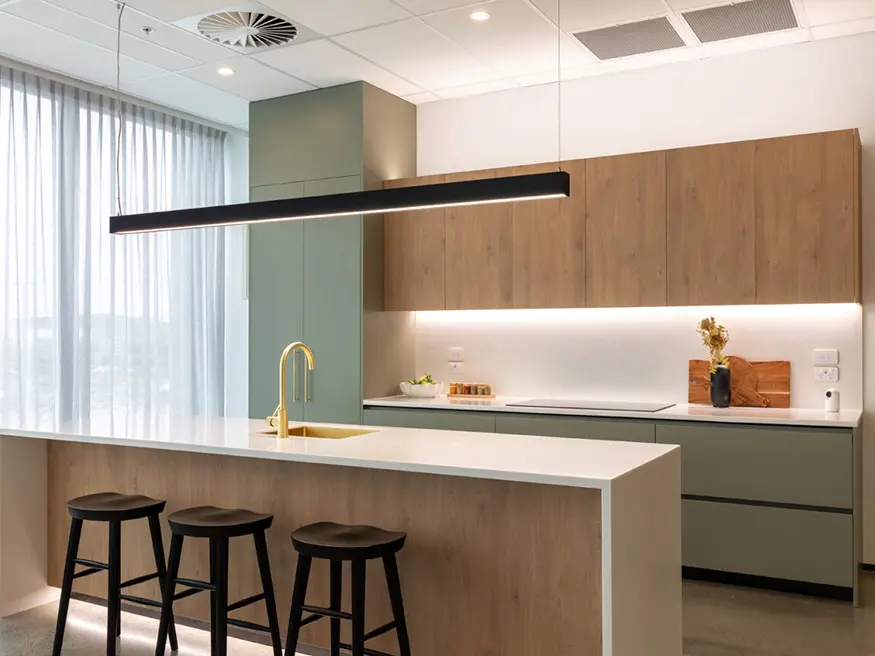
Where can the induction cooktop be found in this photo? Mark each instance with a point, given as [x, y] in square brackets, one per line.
[564, 404]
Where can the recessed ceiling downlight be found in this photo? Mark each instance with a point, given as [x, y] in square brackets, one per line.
[247, 29]
[480, 16]
[226, 71]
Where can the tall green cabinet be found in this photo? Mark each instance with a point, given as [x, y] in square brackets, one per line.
[320, 281]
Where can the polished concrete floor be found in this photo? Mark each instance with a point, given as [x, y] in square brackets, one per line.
[718, 621]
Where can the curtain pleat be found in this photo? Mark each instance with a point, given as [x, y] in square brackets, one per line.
[94, 327]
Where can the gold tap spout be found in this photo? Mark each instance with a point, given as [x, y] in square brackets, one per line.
[282, 412]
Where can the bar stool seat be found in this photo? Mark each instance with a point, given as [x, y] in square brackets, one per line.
[357, 544]
[209, 521]
[111, 508]
[341, 542]
[219, 525]
[114, 507]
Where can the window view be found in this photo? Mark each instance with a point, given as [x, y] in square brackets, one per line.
[92, 326]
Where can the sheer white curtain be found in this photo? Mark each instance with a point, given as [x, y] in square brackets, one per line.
[94, 326]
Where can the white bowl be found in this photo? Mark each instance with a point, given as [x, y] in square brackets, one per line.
[428, 391]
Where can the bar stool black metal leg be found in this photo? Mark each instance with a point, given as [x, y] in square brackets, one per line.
[299, 594]
[214, 578]
[358, 607]
[221, 632]
[169, 591]
[161, 568]
[67, 584]
[394, 583]
[336, 595]
[113, 603]
[273, 621]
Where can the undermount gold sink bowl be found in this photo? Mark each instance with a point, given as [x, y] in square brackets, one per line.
[324, 432]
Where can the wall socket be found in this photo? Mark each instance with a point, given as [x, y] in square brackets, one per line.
[826, 374]
[454, 367]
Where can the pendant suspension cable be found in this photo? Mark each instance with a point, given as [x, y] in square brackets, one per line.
[118, 106]
[559, 84]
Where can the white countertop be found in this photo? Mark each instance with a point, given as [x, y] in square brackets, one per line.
[681, 412]
[555, 461]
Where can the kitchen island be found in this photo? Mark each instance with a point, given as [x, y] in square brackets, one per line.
[518, 545]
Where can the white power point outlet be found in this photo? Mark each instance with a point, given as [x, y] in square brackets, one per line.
[454, 367]
[826, 374]
[456, 354]
[825, 357]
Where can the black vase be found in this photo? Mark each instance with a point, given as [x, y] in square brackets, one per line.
[721, 392]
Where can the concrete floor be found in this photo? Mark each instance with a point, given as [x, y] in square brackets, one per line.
[718, 621]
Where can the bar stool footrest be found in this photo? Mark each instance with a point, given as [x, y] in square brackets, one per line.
[186, 593]
[380, 630]
[243, 624]
[87, 572]
[138, 580]
[326, 612]
[96, 564]
[237, 605]
[368, 651]
[142, 601]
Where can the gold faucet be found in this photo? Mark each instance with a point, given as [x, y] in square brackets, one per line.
[281, 414]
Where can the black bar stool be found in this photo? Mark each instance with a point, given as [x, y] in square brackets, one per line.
[114, 509]
[357, 544]
[218, 525]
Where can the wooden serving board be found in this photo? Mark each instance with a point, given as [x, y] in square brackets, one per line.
[757, 384]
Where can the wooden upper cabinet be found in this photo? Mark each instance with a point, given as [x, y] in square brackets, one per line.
[807, 227]
[415, 253]
[625, 230]
[548, 243]
[479, 263]
[711, 249]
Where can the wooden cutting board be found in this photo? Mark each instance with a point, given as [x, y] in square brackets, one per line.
[756, 384]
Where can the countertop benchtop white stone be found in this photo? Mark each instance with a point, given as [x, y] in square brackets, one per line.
[532, 459]
[682, 412]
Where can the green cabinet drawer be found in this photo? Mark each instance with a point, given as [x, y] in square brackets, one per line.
[783, 543]
[478, 422]
[804, 466]
[592, 429]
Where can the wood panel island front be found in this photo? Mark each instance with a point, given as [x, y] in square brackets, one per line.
[518, 545]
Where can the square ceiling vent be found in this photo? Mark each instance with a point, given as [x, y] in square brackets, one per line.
[741, 19]
[630, 39]
[247, 27]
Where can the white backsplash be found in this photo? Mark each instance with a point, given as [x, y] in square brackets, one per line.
[638, 354]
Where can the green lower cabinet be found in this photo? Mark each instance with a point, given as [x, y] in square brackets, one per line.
[471, 421]
[591, 429]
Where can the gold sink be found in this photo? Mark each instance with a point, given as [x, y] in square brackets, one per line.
[324, 432]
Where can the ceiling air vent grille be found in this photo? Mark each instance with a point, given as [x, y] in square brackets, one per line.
[247, 29]
[631, 39]
[741, 19]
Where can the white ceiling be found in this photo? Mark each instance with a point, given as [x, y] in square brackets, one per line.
[423, 50]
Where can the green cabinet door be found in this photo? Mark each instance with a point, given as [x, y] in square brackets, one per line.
[276, 289]
[333, 309]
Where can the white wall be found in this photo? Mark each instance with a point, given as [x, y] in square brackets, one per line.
[808, 87]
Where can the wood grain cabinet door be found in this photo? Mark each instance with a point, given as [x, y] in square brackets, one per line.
[806, 218]
[415, 253]
[479, 252]
[548, 243]
[625, 230]
[711, 250]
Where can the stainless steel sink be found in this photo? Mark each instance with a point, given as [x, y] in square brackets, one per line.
[323, 432]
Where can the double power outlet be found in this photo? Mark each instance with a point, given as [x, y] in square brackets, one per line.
[825, 365]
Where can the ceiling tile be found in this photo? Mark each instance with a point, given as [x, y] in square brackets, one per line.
[686, 5]
[339, 16]
[326, 64]
[577, 15]
[477, 89]
[516, 40]
[824, 12]
[172, 10]
[56, 51]
[72, 24]
[847, 28]
[133, 22]
[251, 80]
[421, 7]
[418, 53]
[422, 98]
[183, 93]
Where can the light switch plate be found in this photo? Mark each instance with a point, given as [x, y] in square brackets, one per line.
[826, 374]
[825, 357]
[456, 354]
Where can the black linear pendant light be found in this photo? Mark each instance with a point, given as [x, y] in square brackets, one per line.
[381, 201]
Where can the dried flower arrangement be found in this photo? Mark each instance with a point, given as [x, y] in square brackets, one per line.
[715, 337]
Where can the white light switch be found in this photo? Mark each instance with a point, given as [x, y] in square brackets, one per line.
[826, 374]
[456, 354]
[826, 357]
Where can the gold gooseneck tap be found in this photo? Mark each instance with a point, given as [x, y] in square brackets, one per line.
[281, 414]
